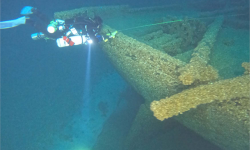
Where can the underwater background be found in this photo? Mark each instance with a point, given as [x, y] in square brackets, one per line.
[75, 98]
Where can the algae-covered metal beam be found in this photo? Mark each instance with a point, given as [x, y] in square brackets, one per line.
[226, 123]
[151, 72]
[107, 10]
[90, 11]
[191, 98]
[198, 69]
[111, 10]
[234, 9]
[154, 8]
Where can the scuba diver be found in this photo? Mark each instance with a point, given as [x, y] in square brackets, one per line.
[69, 32]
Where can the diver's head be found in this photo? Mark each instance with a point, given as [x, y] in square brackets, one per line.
[98, 20]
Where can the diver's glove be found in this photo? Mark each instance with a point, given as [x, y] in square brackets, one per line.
[27, 10]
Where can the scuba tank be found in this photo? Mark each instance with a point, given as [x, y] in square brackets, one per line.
[72, 40]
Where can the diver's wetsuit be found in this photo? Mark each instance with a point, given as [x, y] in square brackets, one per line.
[41, 25]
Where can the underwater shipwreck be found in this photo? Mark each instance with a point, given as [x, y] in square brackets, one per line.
[169, 64]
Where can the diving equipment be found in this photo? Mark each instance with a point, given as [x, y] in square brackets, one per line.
[52, 27]
[112, 35]
[100, 38]
[37, 36]
[67, 41]
[74, 31]
[61, 23]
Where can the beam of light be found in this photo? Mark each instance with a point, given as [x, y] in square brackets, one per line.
[90, 41]
[86, 92]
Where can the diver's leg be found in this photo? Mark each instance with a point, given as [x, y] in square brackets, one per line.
[38, 26]
[13, 23]
[41, 16]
